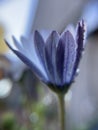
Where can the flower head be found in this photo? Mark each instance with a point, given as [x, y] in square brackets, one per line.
[54, 60]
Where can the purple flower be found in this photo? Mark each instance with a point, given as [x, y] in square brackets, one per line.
[54, 60]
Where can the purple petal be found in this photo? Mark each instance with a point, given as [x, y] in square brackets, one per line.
[80, 45]
[50, 55]
[40, 46]
[30, 65]
[60, 59]
[24, 42]
[80, 35]
[17, 44]
[8, 45]
[69, 55]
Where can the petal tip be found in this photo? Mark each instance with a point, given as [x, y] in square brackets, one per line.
[36, 33]
[82, 24]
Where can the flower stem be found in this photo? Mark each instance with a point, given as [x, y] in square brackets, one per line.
[61, 111]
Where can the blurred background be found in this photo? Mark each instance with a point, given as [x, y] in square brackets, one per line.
[26, 103]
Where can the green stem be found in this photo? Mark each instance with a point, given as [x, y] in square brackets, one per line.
[61, 111]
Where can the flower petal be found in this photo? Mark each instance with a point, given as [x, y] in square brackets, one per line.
[60, 60]
[30, 51]
[23, 46]
[69, 55]
[17, 44]
[40, 47]
[50, 56]
[24, 42]
[27, 49]
[31, 65]
[71, 29]
[80, 35]
[8, 44]
[80, 45]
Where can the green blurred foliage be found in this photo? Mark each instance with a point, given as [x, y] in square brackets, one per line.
[8, 121]
[37, 116]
